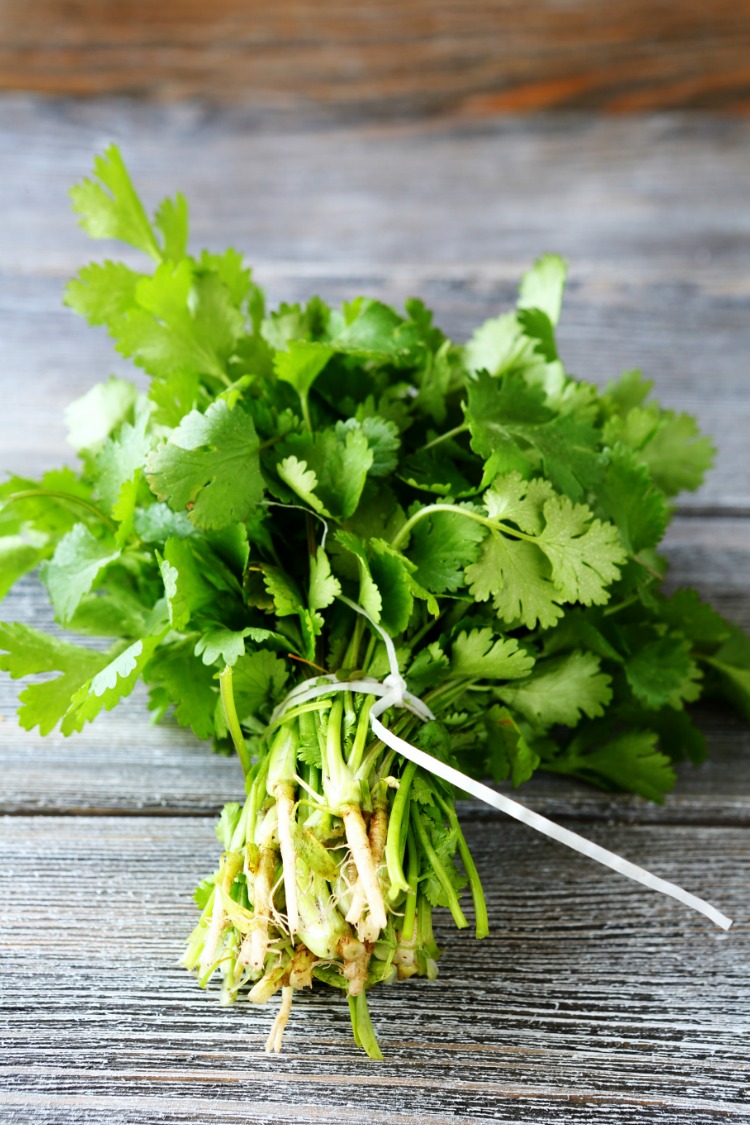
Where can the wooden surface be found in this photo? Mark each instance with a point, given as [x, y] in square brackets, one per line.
[388, 57]
[592, 1001]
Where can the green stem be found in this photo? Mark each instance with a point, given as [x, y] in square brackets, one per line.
[364, 1033]
[431, 509]
[360, 737]
[477, 893]
[230, 713]
[66, 497]
[352, 651]
[611, 609]
[462, 429]
[397, 822]
[410, 906]
[339, 784]
[305, 410]
[441, 874]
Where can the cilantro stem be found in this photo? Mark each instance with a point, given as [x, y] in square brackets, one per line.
[430, 509]
[394, 847]
[66, 497]
[618, 606]
[462, 429]
[477, 893]
[410, 906]
[305, 411]
[364, 1034]
[230, 713]
[439, 870]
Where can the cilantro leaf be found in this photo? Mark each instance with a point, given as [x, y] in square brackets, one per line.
[258, 679]
[327, 469]
[185, 586]
[385, 589]
[180, 323]
[119, 466]
[732, 663]
[584, 553]
[382, 438]
[630, 762]
[111, 208]
[670, 445]
[516, 575]
[442, 546]
[687, 614]
[301, 364]
[508, 417]
[93, 417]
[509, 754]
[497, 346]
[17, 557]
[210, 466]
[479, 655]
[180, 679]
[660, 671]
[543, 285]
[110, 684]
[628, 498]
[220, 645]
[28, 652]
[324, 586]
[103, 292]
[372, 330]
[678, 455]
[560, 690]
[171, 220]
[74, 567]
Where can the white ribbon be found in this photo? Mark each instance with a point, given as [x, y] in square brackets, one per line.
[392, 692]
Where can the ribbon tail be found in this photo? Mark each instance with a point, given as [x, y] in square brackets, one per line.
[541, 823]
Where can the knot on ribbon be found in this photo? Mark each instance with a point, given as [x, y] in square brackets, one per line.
[396, 685]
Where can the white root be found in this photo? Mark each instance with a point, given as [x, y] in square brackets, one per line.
[274, 1041]
[215, 926]
[285, 813]
[359, 846]
[368, 928]
[356, 958]
[300, 969]
[405, 957]
[255, 945]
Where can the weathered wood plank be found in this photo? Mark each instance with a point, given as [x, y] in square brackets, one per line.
[592, 1000]
[651, 214]
[386, 58]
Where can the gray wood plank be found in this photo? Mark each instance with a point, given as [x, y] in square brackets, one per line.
[592, 999]
[651, 213]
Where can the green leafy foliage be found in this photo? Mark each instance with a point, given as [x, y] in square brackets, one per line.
[630, 761]
[210, 467]
[73, 569]
[478, 655]
[28, 652]
[560, 691]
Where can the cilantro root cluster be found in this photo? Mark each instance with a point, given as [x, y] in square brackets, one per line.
[497, 517]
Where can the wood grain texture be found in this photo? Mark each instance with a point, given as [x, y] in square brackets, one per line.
[385, 58]
[591, 1001]
[651, 214]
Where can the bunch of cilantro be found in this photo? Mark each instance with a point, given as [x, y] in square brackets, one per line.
[498, 518]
